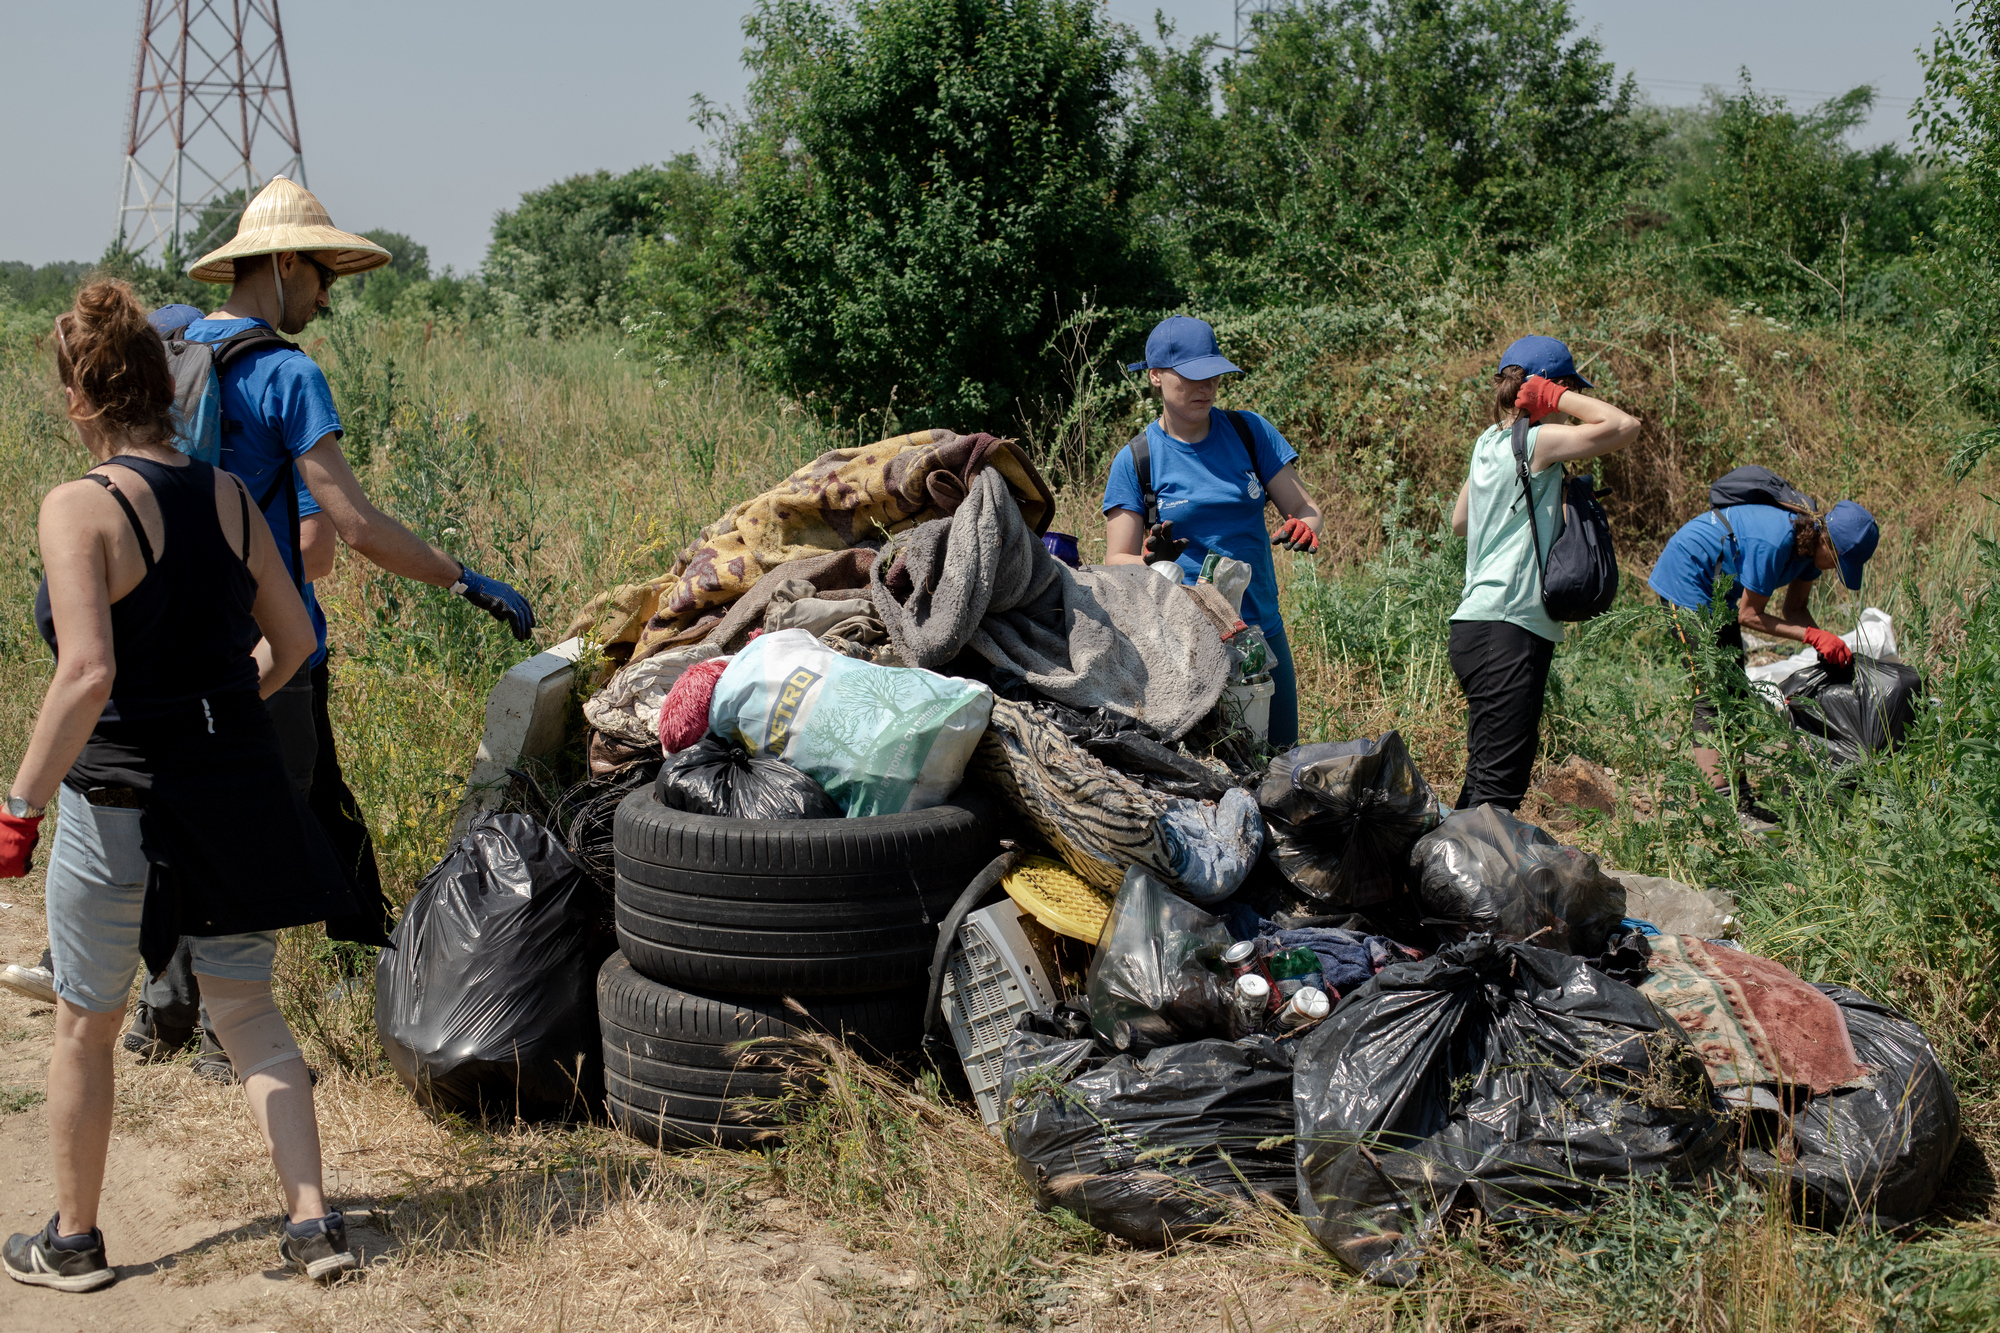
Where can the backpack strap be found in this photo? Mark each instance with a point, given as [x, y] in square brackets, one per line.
[1142, 468]
[1249, 446]
[284, 482]
[227, 351]
[1527, 491]
[131, 515]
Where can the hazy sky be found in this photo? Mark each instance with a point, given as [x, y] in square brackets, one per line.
[428, 116]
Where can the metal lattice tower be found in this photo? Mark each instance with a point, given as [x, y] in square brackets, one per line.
[211, 88]
[1245, 11]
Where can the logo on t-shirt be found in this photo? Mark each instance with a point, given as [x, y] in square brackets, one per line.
[1256, 492]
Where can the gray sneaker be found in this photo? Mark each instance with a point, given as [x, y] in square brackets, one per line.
[322, 1253]
[37, 982]
[37, 1261]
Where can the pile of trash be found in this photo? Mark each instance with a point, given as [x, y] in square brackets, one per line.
[1197, 976]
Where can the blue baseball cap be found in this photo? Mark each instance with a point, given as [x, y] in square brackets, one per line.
[1186, 346]
[1544, 356]
[171, 319]
[1854, 534]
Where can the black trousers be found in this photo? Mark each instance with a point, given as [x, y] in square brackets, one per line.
[305, 736]
[1503, 670]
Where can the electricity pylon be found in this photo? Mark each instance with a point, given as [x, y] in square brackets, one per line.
[211, 91]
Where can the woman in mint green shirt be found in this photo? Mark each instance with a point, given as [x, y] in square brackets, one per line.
[1502, 640]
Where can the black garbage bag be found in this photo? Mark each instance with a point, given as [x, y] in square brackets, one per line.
[1516, 1079]
[719, 777]
[1877, 1153]
[486, 998]
[1136, 750]
[1156, 1148]
[1154, 980]
[1484, 872]
[1848, 711]
[1343, 816]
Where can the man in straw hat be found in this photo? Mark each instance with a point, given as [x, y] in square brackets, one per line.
[278, 412]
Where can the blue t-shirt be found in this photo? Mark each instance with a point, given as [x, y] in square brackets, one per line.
[1760, 557]
[279, 404]
[1215, 499]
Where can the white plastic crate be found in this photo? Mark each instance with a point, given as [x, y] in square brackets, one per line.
[991, 978]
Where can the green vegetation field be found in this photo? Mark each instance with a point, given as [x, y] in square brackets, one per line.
[570, 418]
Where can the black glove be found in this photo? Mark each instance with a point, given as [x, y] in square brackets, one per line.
[496, 599]
[1160, 544]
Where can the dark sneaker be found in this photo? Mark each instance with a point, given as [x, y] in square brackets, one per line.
[37, 1261]
[152, 1041]
[321, 1253]
[1753, 816]
[212, 1064]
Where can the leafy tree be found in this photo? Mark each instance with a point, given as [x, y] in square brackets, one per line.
[1359, 128]
[1773, 201]
[683, 287]
[557, 263]
[1960, 119]
[929, 188]
[409, 264]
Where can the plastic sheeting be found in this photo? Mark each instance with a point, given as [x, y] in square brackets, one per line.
[1519, 1076]
[1484, 872]
[1156, 1148]
[1852, 710]
[1153, 967]
[880, 740]
[486, 998]
[718, 777]
[1344, 815]
[1874, 1153]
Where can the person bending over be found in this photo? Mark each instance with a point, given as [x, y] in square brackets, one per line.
[171, 615]
[1761, 548]
[1502, 639]
[1212, 474]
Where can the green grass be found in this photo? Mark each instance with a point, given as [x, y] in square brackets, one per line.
[569, 467]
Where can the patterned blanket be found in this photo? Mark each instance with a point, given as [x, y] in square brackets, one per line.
[1755, 1023]
[843, 498]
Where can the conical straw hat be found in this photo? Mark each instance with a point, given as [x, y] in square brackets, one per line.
[285, 216]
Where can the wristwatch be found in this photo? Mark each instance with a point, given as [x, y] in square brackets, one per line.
[18, 807]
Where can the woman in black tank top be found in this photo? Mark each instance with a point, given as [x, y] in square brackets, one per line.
[170, 616]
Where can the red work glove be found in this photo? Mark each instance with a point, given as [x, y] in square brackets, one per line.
[1160, 544]
[1296, 535]
[17, 843]
[1829, 647]
[1538, 397]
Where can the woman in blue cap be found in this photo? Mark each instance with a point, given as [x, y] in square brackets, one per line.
[1761, 548]
[1502, 638]
[1198, 480]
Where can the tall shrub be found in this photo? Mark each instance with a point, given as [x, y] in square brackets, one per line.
[557, 263]
[929, 187]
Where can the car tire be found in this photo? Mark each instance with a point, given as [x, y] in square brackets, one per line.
[677, 1072]
[793, 907]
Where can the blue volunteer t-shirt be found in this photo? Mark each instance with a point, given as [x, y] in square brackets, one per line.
[1214, 498]
[1759, 558]
[280, 405]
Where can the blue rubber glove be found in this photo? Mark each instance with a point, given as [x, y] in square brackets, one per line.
[496, 599]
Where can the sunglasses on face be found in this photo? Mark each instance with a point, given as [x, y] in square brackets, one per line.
[326, 275]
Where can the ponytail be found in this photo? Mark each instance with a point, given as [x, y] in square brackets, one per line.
[109, 354]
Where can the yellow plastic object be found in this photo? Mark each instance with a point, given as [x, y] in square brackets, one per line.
[1058, 898]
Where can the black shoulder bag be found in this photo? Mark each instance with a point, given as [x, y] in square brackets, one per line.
[1580, 576]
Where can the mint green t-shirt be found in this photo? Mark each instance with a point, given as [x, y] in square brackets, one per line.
[1502, 578]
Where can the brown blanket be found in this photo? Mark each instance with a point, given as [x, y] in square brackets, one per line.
[1753, 1020]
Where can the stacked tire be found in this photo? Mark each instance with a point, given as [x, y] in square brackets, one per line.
[732, 930]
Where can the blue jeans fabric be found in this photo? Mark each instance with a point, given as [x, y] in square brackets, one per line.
[95, 893]
[1285, 699]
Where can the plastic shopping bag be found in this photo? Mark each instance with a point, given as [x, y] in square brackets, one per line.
[880, 740]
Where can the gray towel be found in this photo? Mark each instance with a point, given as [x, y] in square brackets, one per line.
[1117, 637]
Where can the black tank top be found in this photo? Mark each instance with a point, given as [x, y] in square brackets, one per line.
[185, 632]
